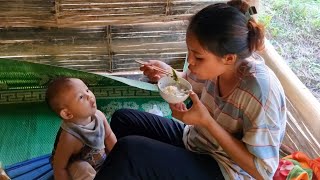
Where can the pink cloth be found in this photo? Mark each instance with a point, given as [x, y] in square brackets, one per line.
[283, 169]
[298, 166]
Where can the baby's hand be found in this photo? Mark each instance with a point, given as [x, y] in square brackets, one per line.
[3, 175]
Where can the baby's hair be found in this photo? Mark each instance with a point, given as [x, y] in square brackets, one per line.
[54, 90]
[225, 29]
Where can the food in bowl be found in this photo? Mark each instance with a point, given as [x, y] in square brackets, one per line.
[174, 91]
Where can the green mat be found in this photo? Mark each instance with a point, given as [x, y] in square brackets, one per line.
[28, 130]
[28, 127]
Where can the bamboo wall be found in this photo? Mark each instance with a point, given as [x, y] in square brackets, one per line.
[100, 36]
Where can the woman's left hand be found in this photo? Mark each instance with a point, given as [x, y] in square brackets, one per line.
[198, 114]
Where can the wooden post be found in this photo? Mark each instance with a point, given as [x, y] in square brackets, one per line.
[255, 3]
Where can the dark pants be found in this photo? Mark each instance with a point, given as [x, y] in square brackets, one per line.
[150, 147]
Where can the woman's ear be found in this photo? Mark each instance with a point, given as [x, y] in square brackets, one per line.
[229, 59]
[66, 114]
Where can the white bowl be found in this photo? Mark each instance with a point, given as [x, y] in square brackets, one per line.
[183, 85]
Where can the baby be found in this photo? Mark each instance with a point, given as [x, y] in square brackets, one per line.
[84, 136]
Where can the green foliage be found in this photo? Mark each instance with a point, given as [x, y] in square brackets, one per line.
[302, 13]
[293, 27]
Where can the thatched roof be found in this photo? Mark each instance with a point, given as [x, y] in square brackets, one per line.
[94, 13]
[96, 35]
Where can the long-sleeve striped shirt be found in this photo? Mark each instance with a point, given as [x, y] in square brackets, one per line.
[254, 113]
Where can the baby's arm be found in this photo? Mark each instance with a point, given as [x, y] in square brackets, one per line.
[110, 139]
[67, 146]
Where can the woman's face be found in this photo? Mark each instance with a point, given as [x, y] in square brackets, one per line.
[204, 64]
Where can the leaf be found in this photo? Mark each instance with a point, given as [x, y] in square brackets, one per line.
[175, 76]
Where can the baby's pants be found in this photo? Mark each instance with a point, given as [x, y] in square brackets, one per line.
[81, 170]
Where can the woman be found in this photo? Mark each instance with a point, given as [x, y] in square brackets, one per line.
[237, 120]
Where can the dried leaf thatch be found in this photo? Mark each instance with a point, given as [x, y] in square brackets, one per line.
[96, 35]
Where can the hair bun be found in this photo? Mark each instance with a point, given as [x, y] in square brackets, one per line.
[240, 5]
[256, 35]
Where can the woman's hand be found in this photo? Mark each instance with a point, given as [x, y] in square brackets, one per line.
[198, 114]
[153, 74]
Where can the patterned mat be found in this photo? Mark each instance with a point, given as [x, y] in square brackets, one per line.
[28, 130]
[28, 127]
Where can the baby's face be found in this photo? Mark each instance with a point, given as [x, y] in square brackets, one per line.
[79, 100]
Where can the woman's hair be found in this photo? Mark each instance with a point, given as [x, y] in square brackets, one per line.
[227, 29]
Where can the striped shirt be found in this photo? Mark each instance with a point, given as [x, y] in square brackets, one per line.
[254, 113]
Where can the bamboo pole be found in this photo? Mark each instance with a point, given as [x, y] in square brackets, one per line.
[306, 105]
[255, 3]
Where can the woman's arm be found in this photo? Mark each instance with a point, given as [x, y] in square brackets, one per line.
[236, 150]
[199, 115]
